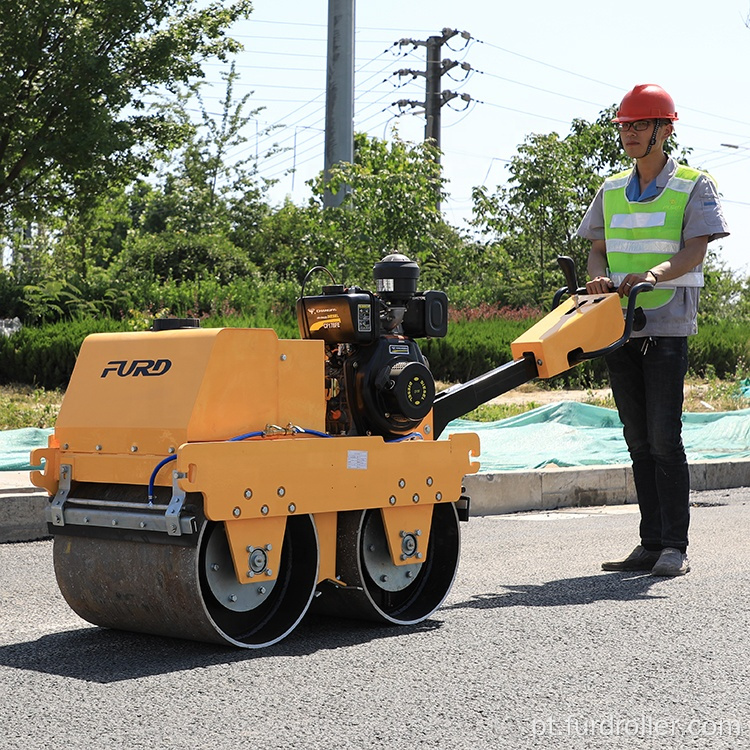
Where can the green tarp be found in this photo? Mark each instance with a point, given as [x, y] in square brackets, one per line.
[565, 433]
[572, 434]
[15, 446]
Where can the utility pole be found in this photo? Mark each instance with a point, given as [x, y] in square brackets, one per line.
[435, 69]
[339, 135]
[434, 72]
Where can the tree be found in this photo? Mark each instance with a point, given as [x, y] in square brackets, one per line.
[391, 206]
[73, 78]
[726, 294]
[202, 189]
[195, 221]
[552, 182]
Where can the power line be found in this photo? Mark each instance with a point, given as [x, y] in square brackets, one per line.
[372, 91]
[547, 65]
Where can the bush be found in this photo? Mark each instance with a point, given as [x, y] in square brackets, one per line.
[45, 356]
[721, 349]
[473, 347]
[11, 296]
[177, 255]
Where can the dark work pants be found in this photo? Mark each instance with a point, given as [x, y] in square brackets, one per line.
[647, 378]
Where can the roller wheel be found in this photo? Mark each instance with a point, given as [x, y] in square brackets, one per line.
[379, 590]
[188, 591]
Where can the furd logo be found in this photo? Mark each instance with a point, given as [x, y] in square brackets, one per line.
[133, 368]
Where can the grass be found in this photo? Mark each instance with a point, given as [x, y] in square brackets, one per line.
[24, 406]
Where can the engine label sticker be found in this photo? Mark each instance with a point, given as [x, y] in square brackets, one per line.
[364, 318]
[356, 459]
[398, 349]
[323, 319]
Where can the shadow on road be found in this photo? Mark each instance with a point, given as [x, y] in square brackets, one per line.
[566, 591]
[106, 656]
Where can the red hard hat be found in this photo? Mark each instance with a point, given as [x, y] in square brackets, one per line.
[646, 101]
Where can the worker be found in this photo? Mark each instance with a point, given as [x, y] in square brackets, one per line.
[652, 223]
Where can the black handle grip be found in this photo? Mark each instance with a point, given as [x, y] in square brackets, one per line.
[630, 318]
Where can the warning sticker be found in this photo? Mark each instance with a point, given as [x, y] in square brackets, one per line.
[364, 318]
[356, 459]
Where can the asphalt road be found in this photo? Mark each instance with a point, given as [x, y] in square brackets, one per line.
[534, 648]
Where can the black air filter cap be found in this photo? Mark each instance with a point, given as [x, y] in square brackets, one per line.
[396, 277]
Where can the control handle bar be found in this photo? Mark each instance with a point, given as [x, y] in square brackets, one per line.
[635, 318]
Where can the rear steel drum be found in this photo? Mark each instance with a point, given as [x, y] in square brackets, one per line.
[376, 589]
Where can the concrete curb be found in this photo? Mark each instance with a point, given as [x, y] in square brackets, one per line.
[22, 515]
[579, 486]
[22, 509]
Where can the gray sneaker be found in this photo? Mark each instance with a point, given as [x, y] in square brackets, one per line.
[638, 559]
[671, 562]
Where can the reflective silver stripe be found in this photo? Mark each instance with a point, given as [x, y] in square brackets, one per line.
[681, 185]
[692, 279]
[615, 183]
[638, 220]
[636, 247]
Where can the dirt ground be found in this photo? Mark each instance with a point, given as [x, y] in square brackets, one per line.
[698, 397]
[527, 393]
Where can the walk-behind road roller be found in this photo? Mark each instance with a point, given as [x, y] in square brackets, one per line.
[214, 484]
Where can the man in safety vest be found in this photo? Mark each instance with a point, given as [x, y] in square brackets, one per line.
[653, 223]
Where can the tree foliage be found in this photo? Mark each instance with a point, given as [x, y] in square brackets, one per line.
[535, 215]
[73, 77]
[197, 235]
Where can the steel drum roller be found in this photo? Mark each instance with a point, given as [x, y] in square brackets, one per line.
[187, 590]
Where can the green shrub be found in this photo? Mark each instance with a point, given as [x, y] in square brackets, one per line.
[11, 296]
[178, 255]
[45, 356]
[721, 349]
[475, 346]
[472, 348]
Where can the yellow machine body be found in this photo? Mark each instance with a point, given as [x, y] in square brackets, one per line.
[147, 393]
[585, 322]
[136, 398]
[215, 484]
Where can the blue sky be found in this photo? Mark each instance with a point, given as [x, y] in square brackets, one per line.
[538, 65]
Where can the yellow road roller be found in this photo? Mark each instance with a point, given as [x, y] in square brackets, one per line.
[214, 484]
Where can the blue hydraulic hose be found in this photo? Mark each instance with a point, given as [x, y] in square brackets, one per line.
[247, 435]
[410, 436]
[151, 481]
[313, 432]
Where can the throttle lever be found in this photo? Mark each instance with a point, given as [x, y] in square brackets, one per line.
[568, 267]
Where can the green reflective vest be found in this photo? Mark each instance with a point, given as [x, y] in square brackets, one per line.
[639, 236]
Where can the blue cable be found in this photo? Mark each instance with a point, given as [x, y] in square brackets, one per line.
[245, 436]
[410, 436]
[258, 433]
[312, 432]
[151, 481]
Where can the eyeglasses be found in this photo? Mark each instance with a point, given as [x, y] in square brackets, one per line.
[639, 125]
